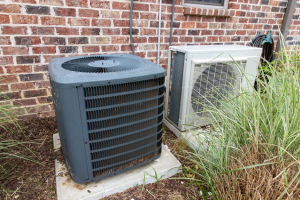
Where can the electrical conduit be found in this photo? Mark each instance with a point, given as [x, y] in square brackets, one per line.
[159, 26]
[131, 42]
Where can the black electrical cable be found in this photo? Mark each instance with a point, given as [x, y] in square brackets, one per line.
[131, 42]
[171, 33]
[267, 48]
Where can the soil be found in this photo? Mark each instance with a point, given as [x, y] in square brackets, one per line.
[23, 179]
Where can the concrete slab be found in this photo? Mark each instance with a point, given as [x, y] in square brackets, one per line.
[167, 165]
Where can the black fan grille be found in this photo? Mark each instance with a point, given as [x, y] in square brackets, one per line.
[103, 64]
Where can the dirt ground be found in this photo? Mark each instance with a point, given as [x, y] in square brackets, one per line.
[23, 179]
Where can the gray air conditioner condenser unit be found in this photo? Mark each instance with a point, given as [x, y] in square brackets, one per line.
[109, 111]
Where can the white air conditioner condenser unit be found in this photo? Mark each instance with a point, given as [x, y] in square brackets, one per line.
[195, 71]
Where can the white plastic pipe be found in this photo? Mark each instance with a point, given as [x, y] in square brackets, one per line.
[159, 26]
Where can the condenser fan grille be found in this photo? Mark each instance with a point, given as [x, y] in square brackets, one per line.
[103, 64]
[215, 82]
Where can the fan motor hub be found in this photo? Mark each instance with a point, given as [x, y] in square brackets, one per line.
[104, 63]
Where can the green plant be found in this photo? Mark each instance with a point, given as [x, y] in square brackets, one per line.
[265, 124]
[157, 178]
[11, 148]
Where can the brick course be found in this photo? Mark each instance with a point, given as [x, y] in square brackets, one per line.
[34, 32]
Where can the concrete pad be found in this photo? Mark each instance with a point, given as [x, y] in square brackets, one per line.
[167, 165]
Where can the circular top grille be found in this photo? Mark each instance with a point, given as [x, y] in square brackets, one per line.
[102, 64]
[215, 82]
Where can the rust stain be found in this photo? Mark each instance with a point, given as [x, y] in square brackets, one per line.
[63, 184]
[79, 187]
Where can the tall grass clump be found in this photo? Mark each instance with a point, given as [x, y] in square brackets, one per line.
[252, 150]
[9, 125]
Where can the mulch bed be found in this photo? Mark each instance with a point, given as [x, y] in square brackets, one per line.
[35, 181]
[31, 180]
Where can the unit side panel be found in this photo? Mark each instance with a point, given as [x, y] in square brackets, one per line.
[70, 130]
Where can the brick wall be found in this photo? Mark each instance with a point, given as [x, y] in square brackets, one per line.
[33, 32]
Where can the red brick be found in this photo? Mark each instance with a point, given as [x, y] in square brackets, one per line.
[121, 23]
[248, 26]
[42, 30]
[4, 19]
[212, 39]
[8, 79]
[224, 39]
[126, 15]
[199, 39]
[126, 31]
[24, 19]
[110, 14]
[88, 13]
[148, 32]
[179, 32]
[153, 39]
[101, 22]
[79, 22]
[77, 3]
[4, 88]
[266, 8]
[5, 40]
[221, 19]
[188, 25]
[87, 49]
[41, 68]
[18, 69]
[43, 100]
[4, 60]
[25, 40]
[141, 7]
[128, 48]
[140, 23]
[65, 12]
[43, 84]
[145, 15]
[121, 5]
[44, 50]
[34, 93]
[155, 8]
[139, 40]
[90, 31]
[243, 20]
[119, 40]
[100, 4]
[109, 48]
[25, 1]
[24, 102]
[11, 95]
[66, 31]
[53, 20]
[219, 32]
[48, 58]
[208, 19]
[9, 8]
[28, 59]
[111, 31]
[52, 2]
[201, 25]
[206, 32]
[38, 10]
[15, 50]
[11, 30]
[234, 6]
[241, 32]
[185, 39]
